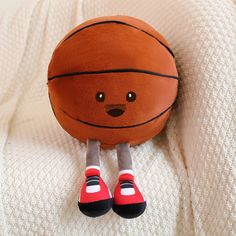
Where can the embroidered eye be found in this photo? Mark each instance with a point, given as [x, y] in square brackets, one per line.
[131, 96]
[100, 96]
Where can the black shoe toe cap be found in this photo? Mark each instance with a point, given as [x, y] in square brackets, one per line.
[95, 209]
[129, 211]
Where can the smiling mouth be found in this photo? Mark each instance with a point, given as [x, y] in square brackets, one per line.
[119, 127]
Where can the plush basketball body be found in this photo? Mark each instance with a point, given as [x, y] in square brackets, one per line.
[112, 79]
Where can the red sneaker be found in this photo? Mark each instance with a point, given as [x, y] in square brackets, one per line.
[95, 197]
[128, 201]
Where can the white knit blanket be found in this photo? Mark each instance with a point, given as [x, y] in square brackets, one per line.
[187, 174]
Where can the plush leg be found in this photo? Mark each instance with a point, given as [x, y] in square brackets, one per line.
[128, 201]
[95, 197]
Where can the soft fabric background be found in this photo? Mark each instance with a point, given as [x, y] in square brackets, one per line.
[187, 174]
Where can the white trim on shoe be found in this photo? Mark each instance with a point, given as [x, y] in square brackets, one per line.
[128, 171]
[109, 192]
[127, 191]
[93, 188]
[93, 167]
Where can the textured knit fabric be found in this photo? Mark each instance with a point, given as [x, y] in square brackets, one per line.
[187, 174]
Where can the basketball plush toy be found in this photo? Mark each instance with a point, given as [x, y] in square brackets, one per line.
[112, 83]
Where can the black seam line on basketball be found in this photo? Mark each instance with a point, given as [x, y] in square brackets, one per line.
[122, 23]
[122, 70]
[118, 127]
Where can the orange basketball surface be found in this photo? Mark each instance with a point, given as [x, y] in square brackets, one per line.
[112, 79]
